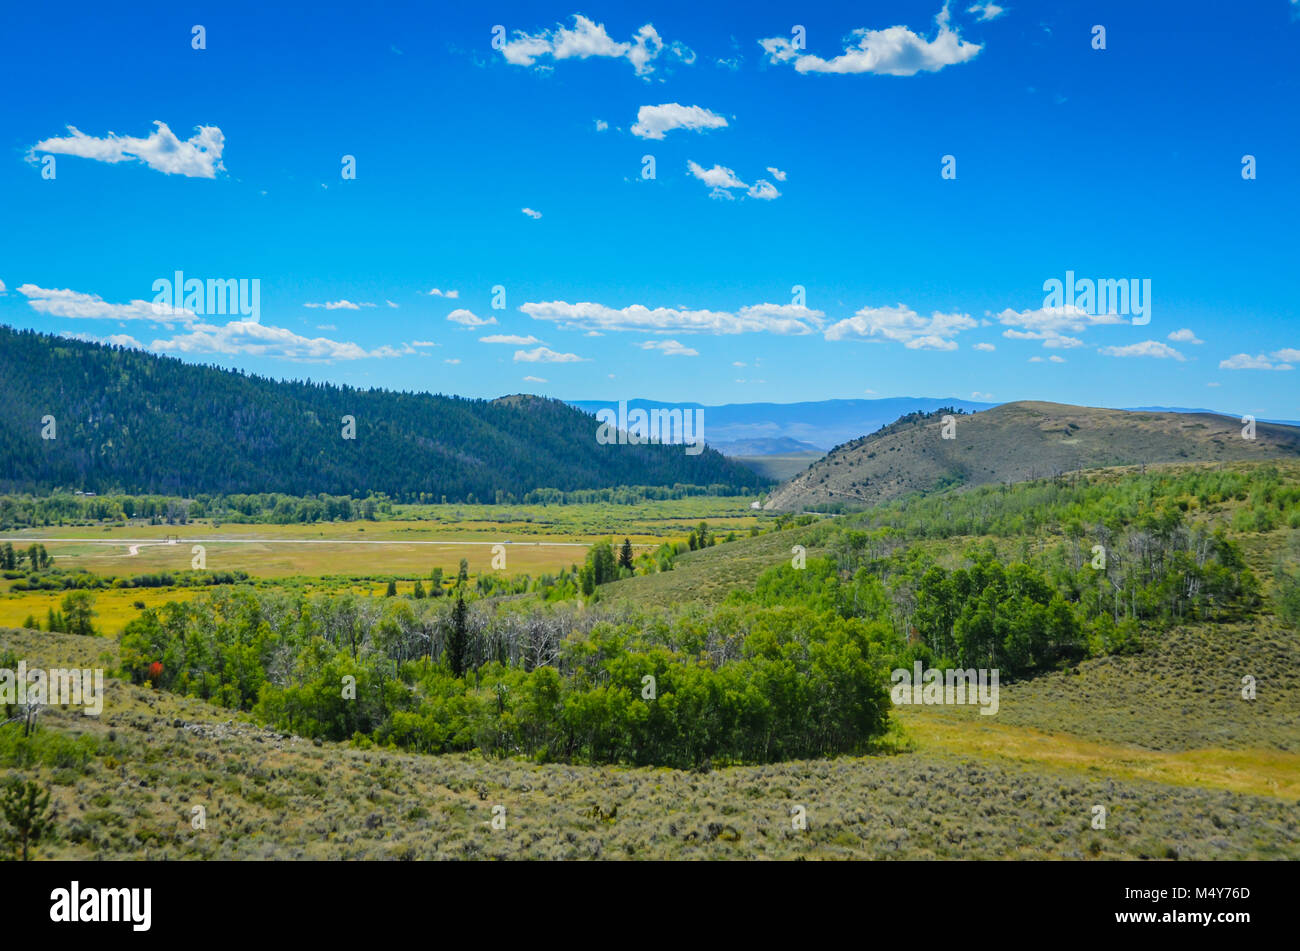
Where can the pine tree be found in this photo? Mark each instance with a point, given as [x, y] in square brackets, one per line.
[458, 638]
[625, 554]
[25, 807]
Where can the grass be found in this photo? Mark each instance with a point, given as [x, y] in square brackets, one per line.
[125, 786]
[541, 539]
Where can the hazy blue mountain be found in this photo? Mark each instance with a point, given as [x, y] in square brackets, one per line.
[823, 424]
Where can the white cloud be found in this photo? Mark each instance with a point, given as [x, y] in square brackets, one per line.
[1184, 336]
[759, 318]
[249, 338]
[738, 363]
[326, 327]
[652, 122]
[587, 38]
[1244, 361]
[453, 361]
[987, 11]
[514, 339]
[1050, 324]
[721, 179]
[895, 51]
[534, 379]
[2, 288]
[977, 395]
[904, 325]
[423, 343]
[601, 125]
[340, 305]
[469, 319]
[390, 303]
[1035, 359]
[545, 355]
[76, 305]
[197, 157]
[670, 348]
[1289, 355]
[435, 292]
[531, 214]
[985, 346]
[117, 340]
[1055, 359]
[777, 173]
[1147, 348]
[716, 177]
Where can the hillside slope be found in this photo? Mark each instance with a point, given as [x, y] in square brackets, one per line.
[125, 786]
[131, 421]
[1020, 441]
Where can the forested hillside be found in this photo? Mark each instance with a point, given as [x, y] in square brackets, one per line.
[133, 422]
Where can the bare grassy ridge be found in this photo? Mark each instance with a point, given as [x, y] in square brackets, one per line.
[268, 795]
[1017, 442]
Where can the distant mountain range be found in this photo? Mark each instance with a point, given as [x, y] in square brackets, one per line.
[1016, 442]
[820, 424]
[775, 446]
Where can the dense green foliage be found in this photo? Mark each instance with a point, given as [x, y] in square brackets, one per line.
[129, 421]
[439, 676]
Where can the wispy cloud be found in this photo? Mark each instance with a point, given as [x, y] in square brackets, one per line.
[721, 180]
[249, 338]
[670, 348]
[895, 51]
[545, 355]
[468, 318]
[903, 325]
[116, 340]
[986, 11]
[339, 305]
[197, 157]
[759, 318]
[514, 339]
[652, 122]
[1279, 360]
[587, 39]
[1053, 325]
[435, 292]
[1147, 348]
[81, 306]
[531, 214]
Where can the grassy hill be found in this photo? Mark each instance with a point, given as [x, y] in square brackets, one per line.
[124, 786]
[133, 422]
[1016, 442]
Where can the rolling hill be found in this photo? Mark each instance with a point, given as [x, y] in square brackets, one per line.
[125, 420]
[1015, 442]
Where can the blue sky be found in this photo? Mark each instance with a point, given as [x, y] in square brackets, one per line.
[775, 167]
